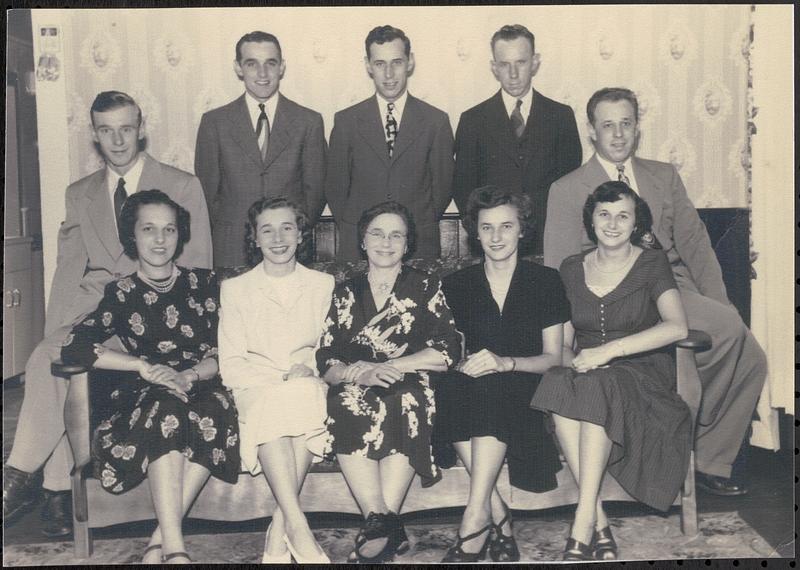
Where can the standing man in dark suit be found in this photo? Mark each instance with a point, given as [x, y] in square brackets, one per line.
[261, 144]
[733, 371]
[390, 147]
[518, 139]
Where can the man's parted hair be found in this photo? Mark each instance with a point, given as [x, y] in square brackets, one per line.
[383, 34]
[611, 94]
[511, 32]
[257, 37]
[110, 100]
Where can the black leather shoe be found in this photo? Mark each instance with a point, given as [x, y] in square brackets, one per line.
[719, 485]
[503, 548]
[57, 513]
[21, 491]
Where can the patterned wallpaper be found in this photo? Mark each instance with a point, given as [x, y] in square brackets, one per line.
[688, 64]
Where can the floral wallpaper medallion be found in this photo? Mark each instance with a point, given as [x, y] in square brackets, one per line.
[649, 101]
[680, 152]
[100, 53]
[712, 102]
[678, 45]
[173, 54]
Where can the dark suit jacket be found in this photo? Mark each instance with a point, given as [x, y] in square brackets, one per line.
[89, 252]
[418, 175]
[228, 163]
[676, 223]
[488, 152]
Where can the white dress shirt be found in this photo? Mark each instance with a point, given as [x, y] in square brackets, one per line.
[397, 113]
[131, 180]
[510, 102]
[270, 106]
[613, 174]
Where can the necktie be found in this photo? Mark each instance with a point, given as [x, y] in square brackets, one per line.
[262, 131]
[391, 128]
[119, 197]
[621, 174]
[517, 122]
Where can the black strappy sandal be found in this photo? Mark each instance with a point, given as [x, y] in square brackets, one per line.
[503, 548]
[576, 550]
[605, 547]
[377, 525]
[172, 555]
[149, 549]
[457, 554]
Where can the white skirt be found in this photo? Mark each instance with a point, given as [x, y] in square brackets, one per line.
[293, 408]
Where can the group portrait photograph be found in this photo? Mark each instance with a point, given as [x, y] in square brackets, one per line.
[399, 284]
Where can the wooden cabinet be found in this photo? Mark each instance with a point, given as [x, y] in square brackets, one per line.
[21, 331]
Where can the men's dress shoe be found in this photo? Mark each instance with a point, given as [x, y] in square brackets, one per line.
[21, 491]
[57, 513]
[719, 485]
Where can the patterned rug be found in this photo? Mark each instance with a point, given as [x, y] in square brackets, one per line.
[722, 535]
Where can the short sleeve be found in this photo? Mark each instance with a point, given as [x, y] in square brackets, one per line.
[555, 308]
[660, 273]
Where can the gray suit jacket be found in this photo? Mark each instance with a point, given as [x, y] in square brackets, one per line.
[418, 175]
[229, 165]
[89, 252]
[675, 222]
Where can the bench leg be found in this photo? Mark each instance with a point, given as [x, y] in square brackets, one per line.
[82, 534]
[689, 501]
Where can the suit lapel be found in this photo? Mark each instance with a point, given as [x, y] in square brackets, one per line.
[497, 125]
[593, 174]
[242, 130]
[371, 129]
[279, 134]
[650, 190]
[410, 127]
[269, 293]
[101, 215]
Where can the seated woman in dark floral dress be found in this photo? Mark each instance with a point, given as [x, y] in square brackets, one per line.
[387, 331]
[512, 313]
[614, 405]
[171, 419]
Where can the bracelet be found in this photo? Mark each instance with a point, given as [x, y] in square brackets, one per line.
[513, 364]
[196, 373]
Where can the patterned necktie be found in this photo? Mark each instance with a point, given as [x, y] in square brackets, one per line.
[391, 128]
[621, 174]
[119, 197]
[517, 122]
[262, 131]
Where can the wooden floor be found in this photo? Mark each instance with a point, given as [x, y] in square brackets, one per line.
[768, 508]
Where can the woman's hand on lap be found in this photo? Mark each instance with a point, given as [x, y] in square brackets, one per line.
[298, 370]
[484, 362]
[591, 358]
[383, 375]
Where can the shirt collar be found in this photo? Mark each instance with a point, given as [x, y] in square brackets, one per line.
[399, 105]
[131, 178]
[510, 102]
[613, 174]
[270, 105]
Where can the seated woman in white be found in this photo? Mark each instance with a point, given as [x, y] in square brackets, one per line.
[270, 323]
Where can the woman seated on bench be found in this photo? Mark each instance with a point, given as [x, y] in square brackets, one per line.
[171, 419]
[511, 313]
[387, 330]
[272, 318]
[614, 405]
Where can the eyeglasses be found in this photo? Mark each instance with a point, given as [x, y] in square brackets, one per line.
[394, 237]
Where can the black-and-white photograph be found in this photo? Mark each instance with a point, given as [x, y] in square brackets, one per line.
[411, 285]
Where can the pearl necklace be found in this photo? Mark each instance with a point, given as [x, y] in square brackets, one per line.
[161, 286]
[620, 268]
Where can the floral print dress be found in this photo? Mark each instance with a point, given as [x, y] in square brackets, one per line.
[373, 421]
[140, 421]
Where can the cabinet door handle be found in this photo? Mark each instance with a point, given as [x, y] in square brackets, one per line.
[8, 299]
[16, 298]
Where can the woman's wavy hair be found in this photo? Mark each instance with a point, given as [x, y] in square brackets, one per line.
[390, 207]
[611, 192]
[252, 251]
[130, 212]
[487, 197]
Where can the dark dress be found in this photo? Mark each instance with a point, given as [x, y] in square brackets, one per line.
[376, 422]
[144, 421]
[498, 404]
[634, 396]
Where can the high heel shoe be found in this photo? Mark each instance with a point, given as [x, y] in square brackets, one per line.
[503, 548]
[150, 549]
[605, 547]
[457, 554]
[576, 550]
[285, 558]
[380, 525]
[319, 558]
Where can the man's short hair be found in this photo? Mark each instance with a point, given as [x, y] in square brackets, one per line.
[110, 100]
[611, 94]
[383, 34]
[257, 37]
[511, 32]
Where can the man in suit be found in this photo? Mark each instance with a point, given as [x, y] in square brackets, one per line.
[734, 370]
[391, 146]
[259, 145]
[89, 257]
[518, 139]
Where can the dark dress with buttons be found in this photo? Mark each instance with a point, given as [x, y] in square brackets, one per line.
[633, 396]
[498, 404]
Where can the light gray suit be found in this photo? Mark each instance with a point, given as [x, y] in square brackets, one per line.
[89, 257]
[734, 370]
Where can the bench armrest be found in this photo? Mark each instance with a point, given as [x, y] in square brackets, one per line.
[688, 382]
[698, 341]
[77, 411]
